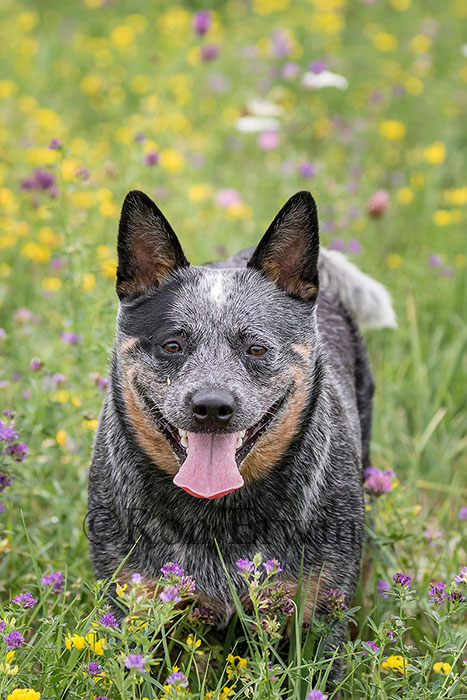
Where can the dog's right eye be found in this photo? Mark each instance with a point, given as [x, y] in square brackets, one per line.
[172, 347]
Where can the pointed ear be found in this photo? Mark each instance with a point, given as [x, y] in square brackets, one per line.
[288, 251]
[148, 249]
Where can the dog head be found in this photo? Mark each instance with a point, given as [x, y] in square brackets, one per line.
[214, 364]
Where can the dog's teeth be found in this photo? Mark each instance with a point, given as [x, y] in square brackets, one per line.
[184, 440]
[242, 433]
[239, 442]
[182, 433]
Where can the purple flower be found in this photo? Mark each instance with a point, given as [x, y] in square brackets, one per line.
[108, 620]
[335, 599]
[202, 21]
[2, 508]
[432, 535]
[140, 137]
[177, 678]
[307, 169]
[14, 640]
[354, 246]
[25, 600]
[136, 579]
[391, 635]
[18, 451]
[58, 378]
[55, 580]
[5, 480]
[35, 363]
[101, 697]
[272, 566]
[70, 337]
[337, 244]
[371, 644]
[7, 432]
[55, 144]
[437, 593]
[401, 580]
[456, 597]
[44, 180]
[2, 625]
[463, 513]
[186, 585]
[209, 52]
[135, 661]
[435, 260]
[169, 595]
[461, 576]
[290, 70]
[2, 333]
[172, 568]
[94, 667]
[151, 158]
[245, 565]
[316, 695]
[82, 173]
[282, 44]
[383, 588]
[317, 67]
[377, 481]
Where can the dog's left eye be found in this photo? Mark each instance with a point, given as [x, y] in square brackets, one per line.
[256, 350]
[172, 347]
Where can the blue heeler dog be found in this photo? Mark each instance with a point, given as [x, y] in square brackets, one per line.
[238, 412]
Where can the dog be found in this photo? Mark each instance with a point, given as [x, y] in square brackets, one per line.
[238, 412]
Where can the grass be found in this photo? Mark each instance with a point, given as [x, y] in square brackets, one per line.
[118, 81]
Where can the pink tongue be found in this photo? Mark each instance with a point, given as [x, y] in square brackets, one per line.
[210, 469]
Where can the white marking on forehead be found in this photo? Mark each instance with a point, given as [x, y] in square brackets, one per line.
[216, 289]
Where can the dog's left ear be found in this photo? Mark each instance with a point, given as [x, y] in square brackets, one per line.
[288, 251]
[148, 249]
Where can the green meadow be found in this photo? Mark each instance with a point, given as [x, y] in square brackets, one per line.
[220, 116]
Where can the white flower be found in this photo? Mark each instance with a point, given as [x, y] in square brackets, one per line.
[316, 81]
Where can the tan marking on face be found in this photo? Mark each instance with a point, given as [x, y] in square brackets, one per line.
[270, 447]
[302, 350]
[128, 344]
[149, 438]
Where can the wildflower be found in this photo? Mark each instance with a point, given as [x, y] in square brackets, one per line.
[55, 144]
[177, 678]
[227, 197]
[97, 645]
[25, 600]
[455, 597]
[435, 153]
[391, 635]
[316, 695]
[151, 158]
[461, 576]
[317, 67]
[35, 363]
[432, 535]
[82, 173]
[235, 665]
[55, 580]
[193, 643]
[209, 52]
[382, 588]
[441, 667]
[170, 594]
[19, 451]
[401, 580]
[378, 481]
[24, 694]
[437, 593]
[94, 668]
[245, 565]
[70, 337]
[202, 21]
[373, 646]
[135, 661]
[5, 480]
[186, 585]
[14, 640]
[39, 180]
[108, 620]
[272, 566]
[172, 568]
[2, 508]
[435, 260]
[268, 140]
[136, 579]
[307, 169]
[76, 641]
[392, 129]
[395, 663]
[205, 615]
[7, 667]
[335, 599]
[462, 515]
[378, 203]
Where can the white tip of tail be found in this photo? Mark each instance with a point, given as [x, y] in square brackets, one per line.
[367, 300]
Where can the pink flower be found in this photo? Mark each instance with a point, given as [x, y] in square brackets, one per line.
[226, 197]
[268, 140]
[378, 203]
[151, 158]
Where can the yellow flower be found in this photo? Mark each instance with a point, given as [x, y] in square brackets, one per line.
[384, 41]
[7, 667]
[394, 261]
[97, 645]
[7, 88]
[239, 210]
[417, 180]
[439, 667]
[435, 153]
[442, 217]
[172, 161]
[88, 282]
[75, 640]
[401, 5]
[266, 7]
[226, 692]
[123, 36]
[121, 589]
[109, 268]
[395, 663]
[51, 284]
[392, 129]
[236, 663]
[193, 643]
[405, 195]
[196, 193]
[420, 43]
[24, 694]
[35, 252]
[61, 439]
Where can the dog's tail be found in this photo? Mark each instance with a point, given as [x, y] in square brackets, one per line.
[366, 299]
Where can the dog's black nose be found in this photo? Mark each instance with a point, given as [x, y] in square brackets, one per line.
[213, 408]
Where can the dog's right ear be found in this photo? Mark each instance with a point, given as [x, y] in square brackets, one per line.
[148, 249]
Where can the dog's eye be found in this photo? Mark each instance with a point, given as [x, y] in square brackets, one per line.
[256, 350]
[172, 347]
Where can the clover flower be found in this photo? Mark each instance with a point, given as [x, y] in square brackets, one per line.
[377, 481]
[455, 597]
[245, 565]
[172, 568]
[70, 338]
[55, 580]
[5, 480]
[274, 600]
[462, 515]
[170, 595]
[39, 180]
[14, 640]
[202, 20]
[108, 620]
[135, 661]
[35, 363]
[383, 588]
[272, 566]
[378, 203]
[461, 576]
[136, 579]
[55, 144]
[26, 600]
[151, 158]
[373, 646]
[209, 52]
[177, 678]
[335, 600]
[401, 580]
[94, 668]
[437, 592]
[316, 695]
